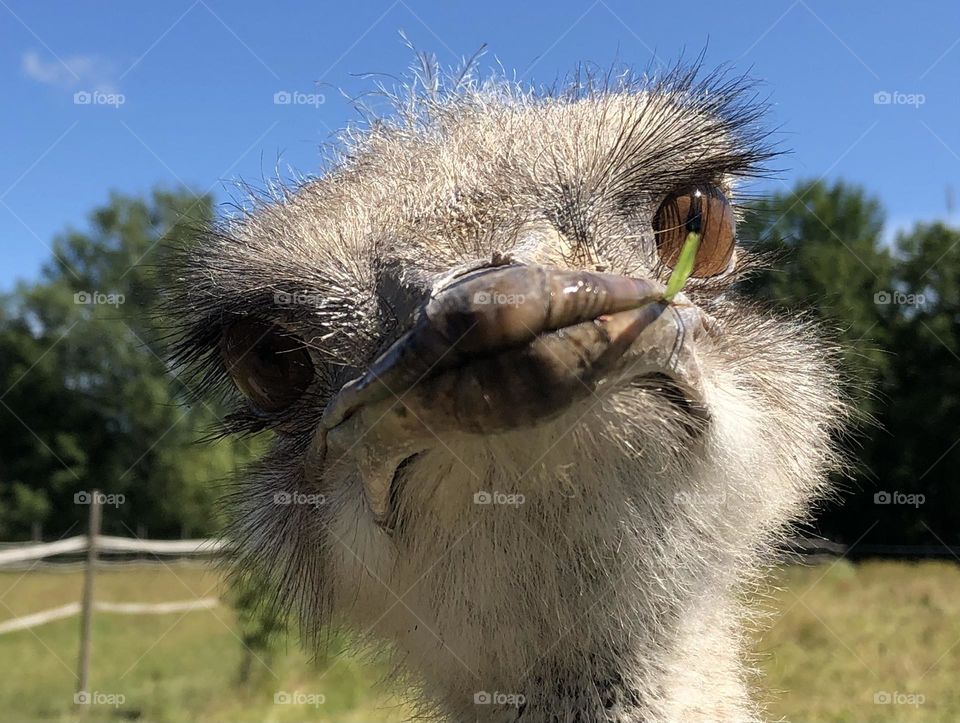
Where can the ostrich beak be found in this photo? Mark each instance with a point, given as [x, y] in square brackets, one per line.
[505, 348]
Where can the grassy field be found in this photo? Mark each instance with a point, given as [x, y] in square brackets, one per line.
[842, 639]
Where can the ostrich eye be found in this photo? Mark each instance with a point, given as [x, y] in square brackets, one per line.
[705, 210]
[267, 363]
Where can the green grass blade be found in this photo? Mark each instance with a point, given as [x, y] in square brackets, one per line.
[684, 267]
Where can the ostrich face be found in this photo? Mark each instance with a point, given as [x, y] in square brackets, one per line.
[494, 444]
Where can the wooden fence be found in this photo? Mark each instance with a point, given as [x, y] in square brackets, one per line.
[93, 544]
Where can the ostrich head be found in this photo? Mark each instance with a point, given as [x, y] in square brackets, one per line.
[495, 446]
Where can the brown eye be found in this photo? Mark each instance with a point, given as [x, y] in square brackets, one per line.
[703, 209]
[267, 363]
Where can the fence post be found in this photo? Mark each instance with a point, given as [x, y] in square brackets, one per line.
[86, 609]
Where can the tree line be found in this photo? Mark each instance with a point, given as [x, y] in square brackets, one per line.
[88, 400]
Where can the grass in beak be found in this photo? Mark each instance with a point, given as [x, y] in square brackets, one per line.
[684, 267]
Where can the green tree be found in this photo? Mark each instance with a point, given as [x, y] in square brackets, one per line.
[895, 312]
[86, 398]
[917, 450]
[824, 246]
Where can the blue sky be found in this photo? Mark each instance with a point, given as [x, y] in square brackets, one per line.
[198, 78]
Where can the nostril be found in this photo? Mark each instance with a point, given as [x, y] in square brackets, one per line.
[392, 522]
[695, 416]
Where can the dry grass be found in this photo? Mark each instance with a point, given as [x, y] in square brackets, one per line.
[841, 634]
[846, 634]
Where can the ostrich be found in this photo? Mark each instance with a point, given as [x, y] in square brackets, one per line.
[498, 450]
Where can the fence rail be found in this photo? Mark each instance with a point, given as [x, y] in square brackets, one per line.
[109, 544]
[71, 609]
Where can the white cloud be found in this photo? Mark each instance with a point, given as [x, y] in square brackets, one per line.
[84, 72]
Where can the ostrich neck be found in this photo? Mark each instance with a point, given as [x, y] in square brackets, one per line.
[620, 639]
[689, 673]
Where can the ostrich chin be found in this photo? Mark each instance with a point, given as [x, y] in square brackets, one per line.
[496, 447]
